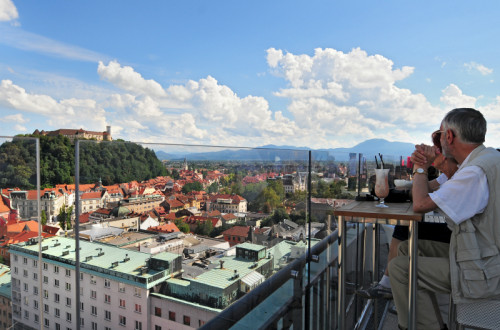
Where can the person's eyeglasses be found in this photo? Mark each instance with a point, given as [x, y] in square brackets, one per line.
[436, 138]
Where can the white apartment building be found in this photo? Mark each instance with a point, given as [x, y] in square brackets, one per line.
[115, 285]
[26, 202]
[227, 203]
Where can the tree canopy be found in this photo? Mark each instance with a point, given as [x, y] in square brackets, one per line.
[113, 162]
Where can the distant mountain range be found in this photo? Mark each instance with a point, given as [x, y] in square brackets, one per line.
[369, 148]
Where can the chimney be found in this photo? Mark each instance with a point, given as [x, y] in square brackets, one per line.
[221, 264]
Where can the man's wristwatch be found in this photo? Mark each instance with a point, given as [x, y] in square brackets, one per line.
[419, 171]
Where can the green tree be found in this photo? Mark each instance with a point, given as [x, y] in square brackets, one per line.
[213, 188]
[184, 227]
[192, 186]
[43, 219]
[64, 217]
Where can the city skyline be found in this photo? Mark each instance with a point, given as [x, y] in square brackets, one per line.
[317, 74]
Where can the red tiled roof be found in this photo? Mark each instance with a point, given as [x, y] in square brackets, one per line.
[170, 216]
[84, 217]
[165, 228]
[241, 231]
[229, 216]
[50, 229]
[3, 205]
[91, 195]
[22, 226]
[23, 237]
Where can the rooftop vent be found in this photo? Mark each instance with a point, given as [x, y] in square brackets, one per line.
[45, 248]
[221, 264]
[65, 253]
[114, 264]
[100, 254]
[88, 258]
[144, 270]
[236, 275]
[126, 258]
[68, 246]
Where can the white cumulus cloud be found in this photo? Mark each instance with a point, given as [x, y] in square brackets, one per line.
[454, 98]
[127, 79]
[8, 11]
[473, 66]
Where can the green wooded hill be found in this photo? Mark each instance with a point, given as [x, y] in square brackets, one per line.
[113, 162]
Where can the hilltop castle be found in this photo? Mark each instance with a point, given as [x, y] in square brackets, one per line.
[73, 134]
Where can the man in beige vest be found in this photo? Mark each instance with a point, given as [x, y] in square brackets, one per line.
[468, 267]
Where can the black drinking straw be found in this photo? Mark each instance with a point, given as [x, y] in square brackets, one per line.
[381, 160]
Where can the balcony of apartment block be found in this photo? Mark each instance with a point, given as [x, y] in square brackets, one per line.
[304, 293]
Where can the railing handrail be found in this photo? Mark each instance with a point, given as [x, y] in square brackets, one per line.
[229, 316]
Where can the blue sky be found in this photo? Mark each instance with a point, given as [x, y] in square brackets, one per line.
[320, 74]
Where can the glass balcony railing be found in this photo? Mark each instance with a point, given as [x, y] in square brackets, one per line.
[207, 237]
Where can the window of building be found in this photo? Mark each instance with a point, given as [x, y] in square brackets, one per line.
[57, 312]
[58, 326]
[107, 328]
[93, 294]
[121, 287]
[158, 311]
[94, 310]
[138, 325]
[68, 272]
[82, 322]
[107, 315]
[56, 269]
[15, 270]
[68, 301]
[37, 318]
[187, 320]
[46, 323]
[46, 294]
[137, 292]
[82, 306]
[93, 279]
[171, 316]
[26, 287]
[35, 304]
[25, 273]
[45, 279]
[107, 298]
[35, 263]
[123, 320]
[107, 283]
[26, 314]
[35, 276]
[81, 276]
[68, 317]
[157, 327]
[138, 308]
[122, 303]
[25, 261]
[94, 325]
[56, 283]
[200, 323]
[46, 308]
[68, 286]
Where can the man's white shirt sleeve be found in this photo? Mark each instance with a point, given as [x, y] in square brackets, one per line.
[463, 196]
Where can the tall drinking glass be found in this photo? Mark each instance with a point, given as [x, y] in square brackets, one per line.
[382, 185]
